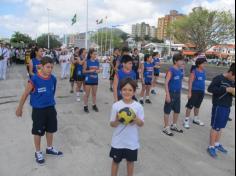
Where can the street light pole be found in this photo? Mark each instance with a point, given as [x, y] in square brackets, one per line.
[86, 38]
[48, 29]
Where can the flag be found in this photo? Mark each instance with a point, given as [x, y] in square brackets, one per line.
[100, 22]
[74, 19]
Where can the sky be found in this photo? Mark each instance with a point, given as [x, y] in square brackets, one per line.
[31, 16]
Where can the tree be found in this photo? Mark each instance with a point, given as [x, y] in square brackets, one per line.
[204, 28]
[43, 42]
[101, 36]
[18, 38]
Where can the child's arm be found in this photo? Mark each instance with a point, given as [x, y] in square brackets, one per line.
[115, 87]
[190, 84]
[24, 97]
[138, 122]
[142, 73]
[115, 123]
[215, 87]
[87, 71]
[31, 68]
[168, 78]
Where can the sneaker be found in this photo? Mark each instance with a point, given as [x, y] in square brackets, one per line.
[167, 131]
[176, 129]
[78, 99]
[111, 89]
[153, 92]
[86, 109]
[71, 91]
[148, 101]
[212, 152]
[198, 122]
[39, 158]
[230, 120]
[221, 149]
[186, 124]
[141, 102]
[95, 108]
[53, 152]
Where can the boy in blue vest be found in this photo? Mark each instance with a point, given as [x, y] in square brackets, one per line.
[223, 90]
[173, 87]
[125, 72]
[42, 89]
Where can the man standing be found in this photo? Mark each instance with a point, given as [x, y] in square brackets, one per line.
[136, 63]
[4, 56]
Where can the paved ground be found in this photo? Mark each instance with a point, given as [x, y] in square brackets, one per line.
[85, 139]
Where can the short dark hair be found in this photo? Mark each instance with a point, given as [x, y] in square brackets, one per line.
[135, 49]
[155, 54]
[130, 81]
[125, 49]
[126, 59]
[115, 49]
[177, 57]
[46, 60]
[232, 68]
[146, 57]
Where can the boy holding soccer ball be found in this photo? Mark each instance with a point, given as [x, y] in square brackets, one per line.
[125, 141]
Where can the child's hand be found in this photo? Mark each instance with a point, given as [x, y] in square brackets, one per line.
[19, 112]
[168, 99]
[230, 90]
[189, 95]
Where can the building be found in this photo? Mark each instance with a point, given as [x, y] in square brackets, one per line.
[143, 31]
[164, 22]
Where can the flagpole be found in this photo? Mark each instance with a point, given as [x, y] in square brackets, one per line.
[106, 35]
[86, 38]
[111, 40]
[98, 35]
[102, 41]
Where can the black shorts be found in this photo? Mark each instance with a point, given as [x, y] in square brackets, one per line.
[196, 100]
[174, 105]
[157, 74]
[91, 84]
[119, 154]
[44, 120]
[112, 75]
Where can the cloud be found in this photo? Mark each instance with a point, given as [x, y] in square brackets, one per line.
[34, 20]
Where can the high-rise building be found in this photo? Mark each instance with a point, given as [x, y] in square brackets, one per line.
[143, 30]
[164, 22]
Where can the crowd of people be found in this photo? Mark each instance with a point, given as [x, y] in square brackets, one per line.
[127, 71]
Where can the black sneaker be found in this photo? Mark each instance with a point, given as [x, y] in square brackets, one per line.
[230, 120]
[148, 101]
[86, 109]
[168, 132]
[141, 102]
[53, 152]
[71, 91]
[176, 129]
[111, 89]
[39, 158]
[95, 108]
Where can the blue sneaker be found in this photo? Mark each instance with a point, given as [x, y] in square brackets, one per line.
[39, 158]
[221, 149]
[212, 152]
[53, 152]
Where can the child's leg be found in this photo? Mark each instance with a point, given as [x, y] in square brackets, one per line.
[79, 85]
[188, 113]
[213, 137]
[130, 168]
[218, 137]
[196, 112]
[148, 89]
[49, 137]
[143, 91]
[37, 143]
[166, 120]
[94, 94]
[114, 169]
[86, 95]
[176, 117]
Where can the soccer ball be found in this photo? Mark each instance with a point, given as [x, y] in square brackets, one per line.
[126, 116]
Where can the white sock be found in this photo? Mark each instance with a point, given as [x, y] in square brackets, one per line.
[211, 147]
[147, 97]
[196, 118]
[141, 98]
[217, 144]
[78, 94]
[38, 152]
[187, 118]
[49, 148]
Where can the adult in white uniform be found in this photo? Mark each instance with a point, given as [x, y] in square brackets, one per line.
[4, 56]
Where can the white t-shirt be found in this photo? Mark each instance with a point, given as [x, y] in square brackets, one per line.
[126, 137]
[5, 52]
